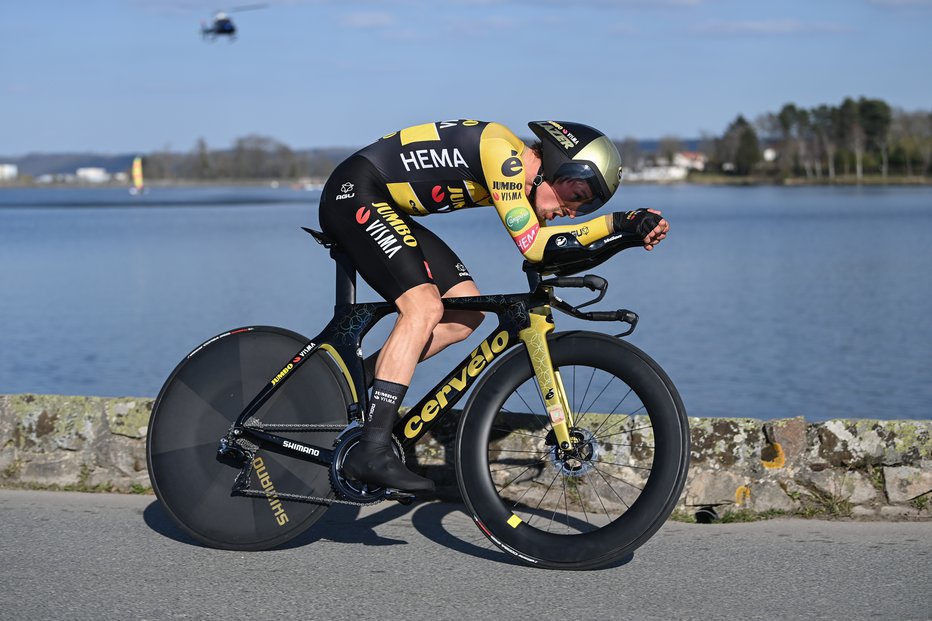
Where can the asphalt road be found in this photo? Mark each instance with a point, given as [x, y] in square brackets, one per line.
[100, 556]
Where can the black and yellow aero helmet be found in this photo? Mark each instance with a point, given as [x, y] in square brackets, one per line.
[577, 151]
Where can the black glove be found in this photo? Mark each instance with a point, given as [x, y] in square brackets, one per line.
[639, 221]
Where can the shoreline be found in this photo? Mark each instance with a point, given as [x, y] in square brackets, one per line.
[694, 179]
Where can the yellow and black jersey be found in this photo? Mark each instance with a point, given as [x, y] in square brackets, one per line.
[449, 165]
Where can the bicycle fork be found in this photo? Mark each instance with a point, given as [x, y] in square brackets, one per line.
[549, 381]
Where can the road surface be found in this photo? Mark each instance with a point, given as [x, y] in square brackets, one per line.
[104, 556]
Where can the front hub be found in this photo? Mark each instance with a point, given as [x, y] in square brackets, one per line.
[579, 458]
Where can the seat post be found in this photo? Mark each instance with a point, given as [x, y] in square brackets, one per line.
[345, 278]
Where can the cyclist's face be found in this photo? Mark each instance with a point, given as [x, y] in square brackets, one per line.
[572, 193]
[573, 190]
[549, 205]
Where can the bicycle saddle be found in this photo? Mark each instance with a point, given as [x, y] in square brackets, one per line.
[321, 238]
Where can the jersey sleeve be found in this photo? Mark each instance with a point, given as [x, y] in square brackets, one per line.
[500, 152]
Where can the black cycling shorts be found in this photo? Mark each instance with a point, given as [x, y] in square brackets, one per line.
[389, 249]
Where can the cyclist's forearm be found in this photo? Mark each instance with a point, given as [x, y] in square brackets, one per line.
[586, 232]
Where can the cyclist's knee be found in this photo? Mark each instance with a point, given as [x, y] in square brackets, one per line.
[420, 307]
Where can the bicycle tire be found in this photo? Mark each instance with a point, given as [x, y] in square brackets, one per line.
[502, 470]
[196, 407]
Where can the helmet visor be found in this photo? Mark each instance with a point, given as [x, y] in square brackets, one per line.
[576, 182]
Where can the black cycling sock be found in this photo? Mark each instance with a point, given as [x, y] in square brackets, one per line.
[383, 411]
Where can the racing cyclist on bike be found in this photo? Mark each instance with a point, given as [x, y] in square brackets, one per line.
[368, 204]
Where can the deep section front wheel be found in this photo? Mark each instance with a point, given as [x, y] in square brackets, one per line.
[196, 408]
[594, 502]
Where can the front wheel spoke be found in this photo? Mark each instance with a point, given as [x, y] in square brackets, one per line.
[601, 392]
[518, 433]
[617, 405]
[615, 427]
[601, 502]
[597, 469]
[541, 501]
[505, 450]
[609, 485]
[522, 465]
[529, 409]
[586, 392]
[526, 466]
[632, 466]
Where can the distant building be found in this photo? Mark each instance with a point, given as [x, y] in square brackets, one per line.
[8, 172]
[657, 174]
[690, 160]
[92, 175]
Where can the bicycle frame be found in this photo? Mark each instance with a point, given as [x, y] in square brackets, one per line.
[522, 318]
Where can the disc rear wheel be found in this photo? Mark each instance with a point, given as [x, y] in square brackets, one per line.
[196, 408]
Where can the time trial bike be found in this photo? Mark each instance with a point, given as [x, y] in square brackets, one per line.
[571, 451]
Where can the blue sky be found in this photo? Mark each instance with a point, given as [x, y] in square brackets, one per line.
[134, 75]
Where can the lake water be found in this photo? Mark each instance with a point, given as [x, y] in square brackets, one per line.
[763, 302]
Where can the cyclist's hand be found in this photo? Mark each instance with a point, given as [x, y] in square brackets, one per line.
[645, 222]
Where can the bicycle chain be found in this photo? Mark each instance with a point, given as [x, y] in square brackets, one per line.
[320, 500]
[243, 477]
[255, 423]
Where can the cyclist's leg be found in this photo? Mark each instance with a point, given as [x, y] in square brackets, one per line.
[453, 280]
[382, 243]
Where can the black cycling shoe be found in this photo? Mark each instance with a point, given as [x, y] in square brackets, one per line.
[377, 464]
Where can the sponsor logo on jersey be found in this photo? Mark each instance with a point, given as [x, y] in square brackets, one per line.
[510, 190]
[561, 241]
[524, 241]
[347, 189]
[457, 197]
[387, 229]
[581, 231]
[517, 218]
[437, 194]
[512, 166]
[463, 272]
[481, 356]
[433, 158]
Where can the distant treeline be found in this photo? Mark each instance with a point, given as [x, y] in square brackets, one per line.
[251, 158]
[858, 137]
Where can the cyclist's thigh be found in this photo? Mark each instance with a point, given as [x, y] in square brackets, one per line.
[379, 238]
[444, 266]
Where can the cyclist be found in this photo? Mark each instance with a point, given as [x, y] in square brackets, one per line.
[368, 204]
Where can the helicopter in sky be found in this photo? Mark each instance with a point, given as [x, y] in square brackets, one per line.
[222, 26]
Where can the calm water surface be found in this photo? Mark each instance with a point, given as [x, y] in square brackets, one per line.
[763, 302]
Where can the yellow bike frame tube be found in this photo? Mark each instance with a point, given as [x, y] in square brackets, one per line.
[534, 338]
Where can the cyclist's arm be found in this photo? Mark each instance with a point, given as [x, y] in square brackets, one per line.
[504, 173]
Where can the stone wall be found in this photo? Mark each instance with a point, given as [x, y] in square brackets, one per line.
[859, 468]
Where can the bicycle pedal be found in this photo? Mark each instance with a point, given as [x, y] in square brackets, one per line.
[405, 498]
